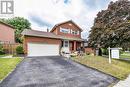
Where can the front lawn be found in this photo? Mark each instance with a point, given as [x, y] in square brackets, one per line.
[125, 55]
[118, 68]
[4, 55]
[7, 65]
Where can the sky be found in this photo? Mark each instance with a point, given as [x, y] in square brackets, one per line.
[45, 14]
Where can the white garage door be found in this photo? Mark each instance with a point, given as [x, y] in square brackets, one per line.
[41, 49]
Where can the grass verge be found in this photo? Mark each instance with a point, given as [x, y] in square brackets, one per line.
[7, 65]
[125, 55]
[118, 68]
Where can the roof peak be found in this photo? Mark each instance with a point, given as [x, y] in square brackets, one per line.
[64, 23]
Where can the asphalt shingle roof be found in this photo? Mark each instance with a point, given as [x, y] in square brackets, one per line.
[29, 32]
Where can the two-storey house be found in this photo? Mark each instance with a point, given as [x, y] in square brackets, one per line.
[64, 36]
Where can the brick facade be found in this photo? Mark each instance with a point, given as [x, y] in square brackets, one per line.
[67, 25]
[7, 33]
[28, 39]
[73, 43]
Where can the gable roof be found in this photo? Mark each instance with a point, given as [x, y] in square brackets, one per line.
[28, 32]
[65, 23]
[6, 24]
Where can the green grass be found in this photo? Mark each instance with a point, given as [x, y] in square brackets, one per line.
[7, 65]
[4, 55]
[118, 68]
[125, 55]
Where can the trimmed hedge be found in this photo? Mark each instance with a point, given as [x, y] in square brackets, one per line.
[19, 49]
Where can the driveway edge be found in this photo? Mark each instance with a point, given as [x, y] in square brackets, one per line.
[112, 84]
[11, 71]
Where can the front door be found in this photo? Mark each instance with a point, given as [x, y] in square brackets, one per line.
[66, 46]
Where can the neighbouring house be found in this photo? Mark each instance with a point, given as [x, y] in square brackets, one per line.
[64, 37]
[7, 33]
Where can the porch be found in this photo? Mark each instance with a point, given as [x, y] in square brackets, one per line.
[71, 46]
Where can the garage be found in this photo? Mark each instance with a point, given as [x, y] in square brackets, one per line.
[42, 49]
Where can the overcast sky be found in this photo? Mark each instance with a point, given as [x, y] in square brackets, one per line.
[46, 13]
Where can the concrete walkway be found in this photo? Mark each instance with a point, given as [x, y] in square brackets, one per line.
[124, 83]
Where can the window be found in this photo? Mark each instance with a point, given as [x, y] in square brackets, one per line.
[66, 43]
[64, 30]
[75, 32]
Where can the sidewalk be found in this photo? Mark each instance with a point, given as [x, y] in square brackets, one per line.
[124, 83]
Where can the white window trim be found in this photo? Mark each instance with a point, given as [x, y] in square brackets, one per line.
[65, 42]
[77, 32]
[69, 31]
[65, 29]
[74, 32]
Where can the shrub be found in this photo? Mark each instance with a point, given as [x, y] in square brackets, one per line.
[104, 51]
[1, 50]
[88, 53]
[19, 49]
[121, 51]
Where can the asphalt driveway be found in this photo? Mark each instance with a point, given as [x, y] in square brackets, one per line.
[55, 72]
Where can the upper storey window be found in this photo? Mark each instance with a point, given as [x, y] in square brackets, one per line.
[69, 31]
[64, 30]
[74, 32]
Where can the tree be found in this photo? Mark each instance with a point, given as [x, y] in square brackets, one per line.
[112, 26]
[19, 23]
